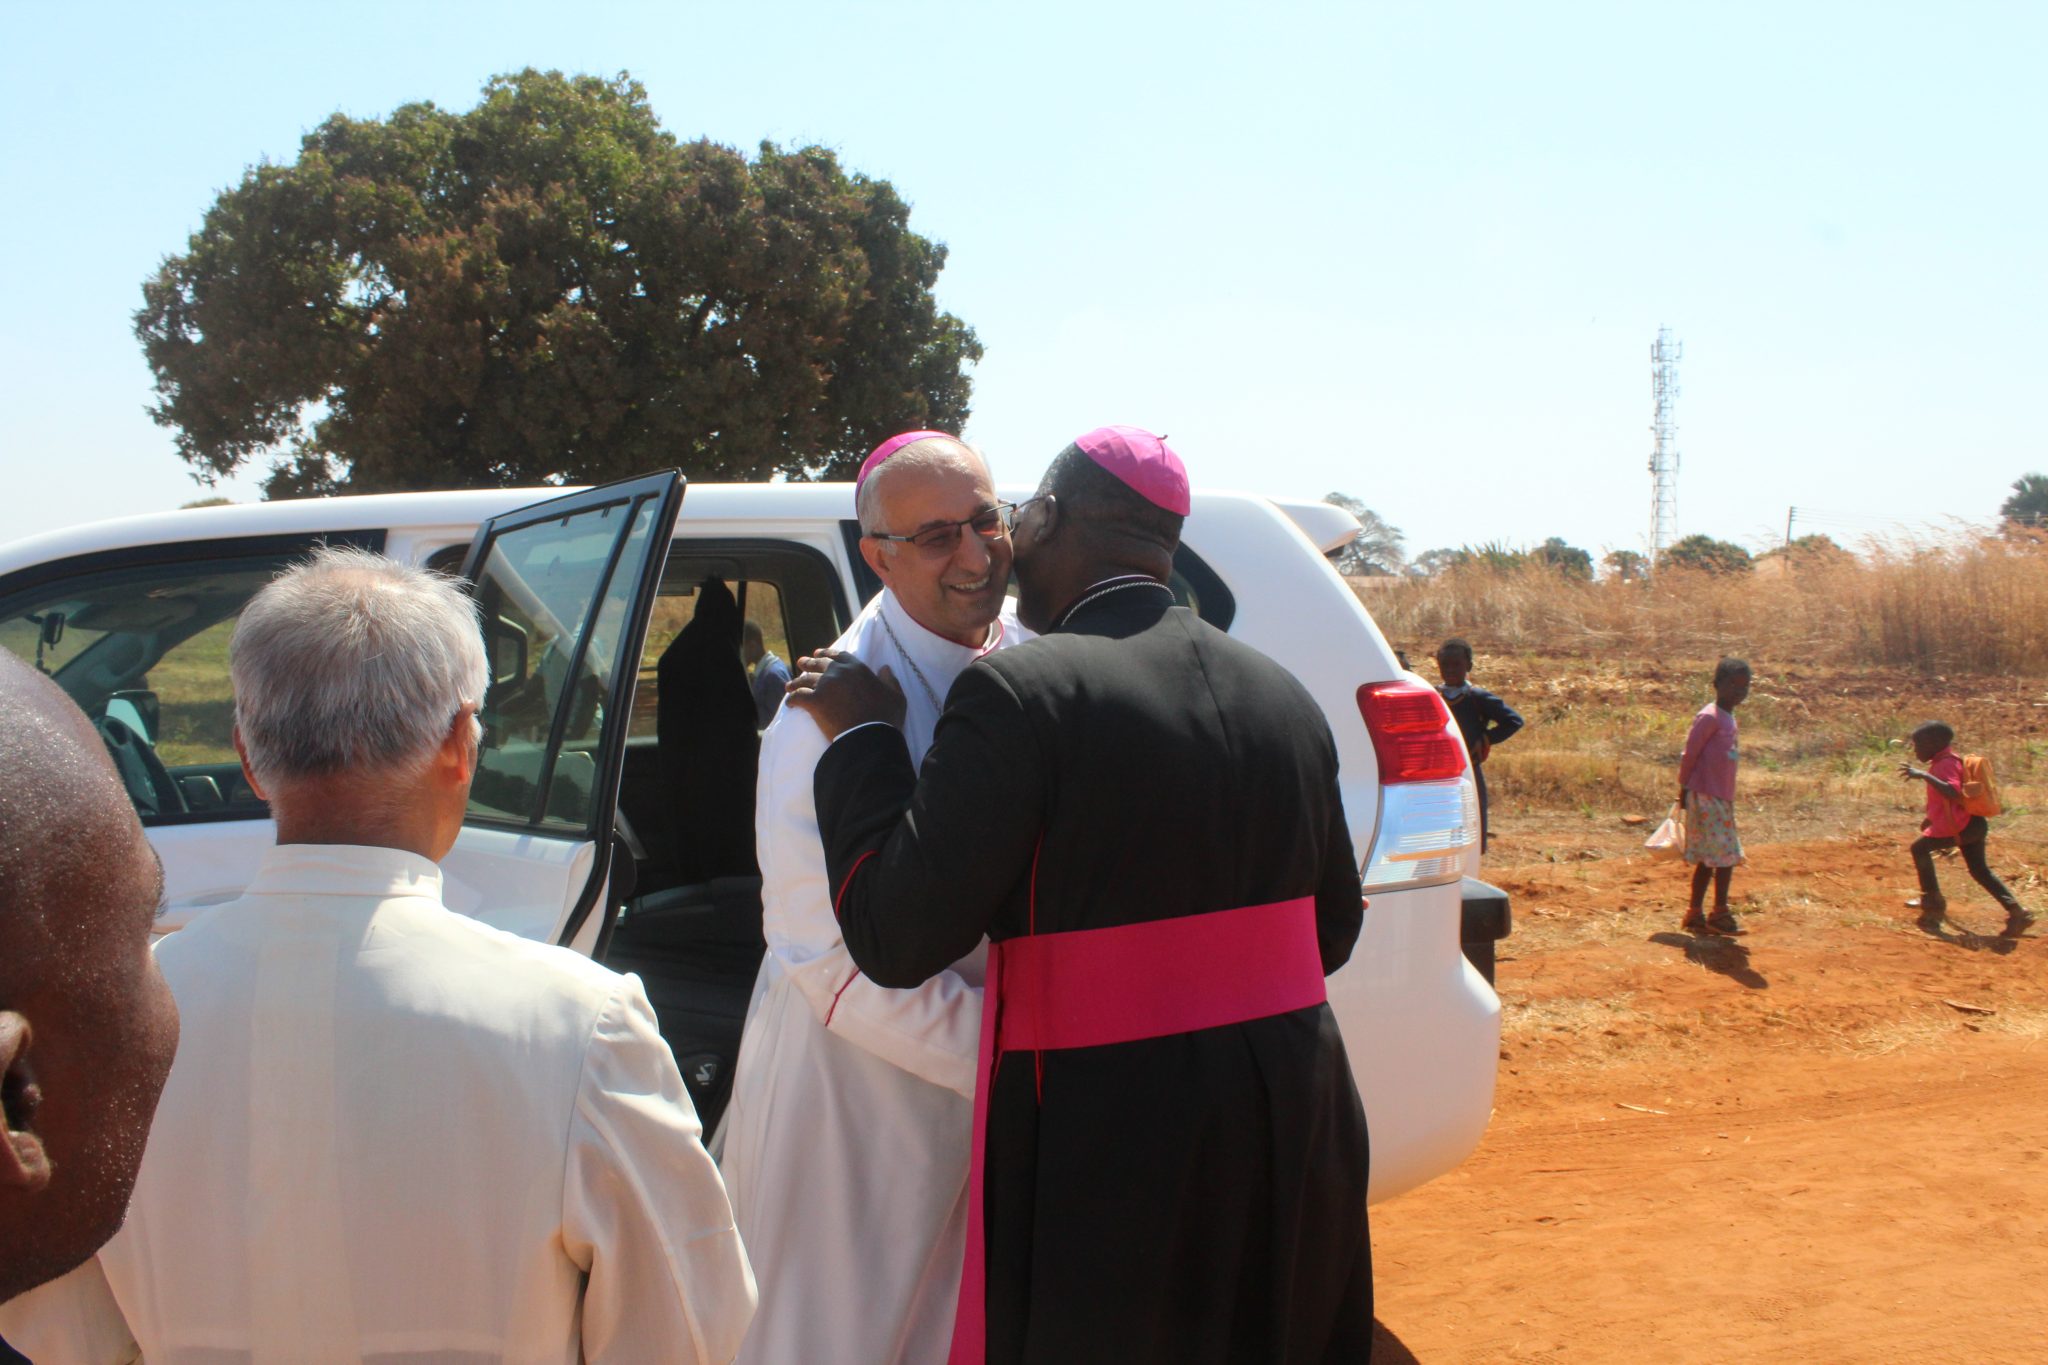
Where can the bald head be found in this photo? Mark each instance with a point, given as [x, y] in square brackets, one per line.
[64, 817]
[87, 1027]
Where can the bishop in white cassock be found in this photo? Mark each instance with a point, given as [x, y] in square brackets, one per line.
[848, 1137]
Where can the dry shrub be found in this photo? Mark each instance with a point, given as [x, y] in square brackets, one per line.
[1972, 606]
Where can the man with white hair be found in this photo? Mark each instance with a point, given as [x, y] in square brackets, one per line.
[394, 1133]
[848, 1135]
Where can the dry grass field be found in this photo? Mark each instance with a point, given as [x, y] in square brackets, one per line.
[1824, 1141]
[1971, 606]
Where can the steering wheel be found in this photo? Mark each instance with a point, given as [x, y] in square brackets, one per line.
[149, 783]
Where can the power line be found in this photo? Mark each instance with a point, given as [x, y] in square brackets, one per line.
[1876, 525]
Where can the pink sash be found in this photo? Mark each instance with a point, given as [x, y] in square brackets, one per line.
[1094, 987]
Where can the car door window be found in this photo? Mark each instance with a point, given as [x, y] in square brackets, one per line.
[142, 648]
[760, 602]
[563, 590]
[554, 640]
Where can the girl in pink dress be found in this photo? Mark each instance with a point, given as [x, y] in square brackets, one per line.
[1706, 787]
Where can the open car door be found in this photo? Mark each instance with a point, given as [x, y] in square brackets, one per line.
[564, 589]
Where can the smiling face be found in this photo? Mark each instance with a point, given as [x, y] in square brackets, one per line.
[87, 1025]
[955, 593]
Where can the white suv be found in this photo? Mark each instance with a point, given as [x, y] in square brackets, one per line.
[599, 813]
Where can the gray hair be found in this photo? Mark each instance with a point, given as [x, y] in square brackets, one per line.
[933, 452]
[353, 661]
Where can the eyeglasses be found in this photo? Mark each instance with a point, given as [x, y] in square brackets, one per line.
[937, 542]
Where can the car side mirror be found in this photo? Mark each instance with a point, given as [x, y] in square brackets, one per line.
[508, 652]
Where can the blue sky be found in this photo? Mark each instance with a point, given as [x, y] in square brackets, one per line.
[1415, 253]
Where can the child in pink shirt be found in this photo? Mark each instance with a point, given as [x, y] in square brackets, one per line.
[1949, 825]
[1706, 788]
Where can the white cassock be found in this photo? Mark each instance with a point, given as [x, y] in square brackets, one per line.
[394, 1133]
[847, 1139]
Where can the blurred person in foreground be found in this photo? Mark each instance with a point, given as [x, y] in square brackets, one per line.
[394, 1133]
[847, 1143]
[87, 1027]
[1142, 814]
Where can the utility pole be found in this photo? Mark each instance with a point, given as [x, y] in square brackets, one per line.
[1664, 357]
[1788, 528]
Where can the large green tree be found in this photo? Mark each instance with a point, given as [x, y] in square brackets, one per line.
[547, 288]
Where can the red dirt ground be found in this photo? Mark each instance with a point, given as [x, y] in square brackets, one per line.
[1844, 1163]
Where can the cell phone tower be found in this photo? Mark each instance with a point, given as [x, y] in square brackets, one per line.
[1664, 356]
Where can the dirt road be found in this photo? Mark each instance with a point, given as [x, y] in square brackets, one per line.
[1826, 1141]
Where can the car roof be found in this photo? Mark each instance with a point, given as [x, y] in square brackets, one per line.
[466, 508]
[462, 508]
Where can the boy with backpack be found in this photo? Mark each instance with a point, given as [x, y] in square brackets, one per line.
[1960, 795]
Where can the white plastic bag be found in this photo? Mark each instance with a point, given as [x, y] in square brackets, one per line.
[1667, 841]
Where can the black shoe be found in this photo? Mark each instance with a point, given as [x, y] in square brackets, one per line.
[1724, 922]
[2017, 922]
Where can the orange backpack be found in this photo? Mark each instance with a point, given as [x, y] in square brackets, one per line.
[1980, 792]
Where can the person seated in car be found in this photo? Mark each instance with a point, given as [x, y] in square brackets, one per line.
[87, 1026]
[767, 674]
[395, 1133]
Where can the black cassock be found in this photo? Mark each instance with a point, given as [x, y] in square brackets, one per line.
[1191, 1198]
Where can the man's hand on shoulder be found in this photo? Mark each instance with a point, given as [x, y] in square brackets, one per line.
[839, 692]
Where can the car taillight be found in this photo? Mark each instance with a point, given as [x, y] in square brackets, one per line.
[1429, 808]
[1410, 729]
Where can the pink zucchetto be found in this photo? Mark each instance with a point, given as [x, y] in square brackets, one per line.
[891, 446]
[1142, 461]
